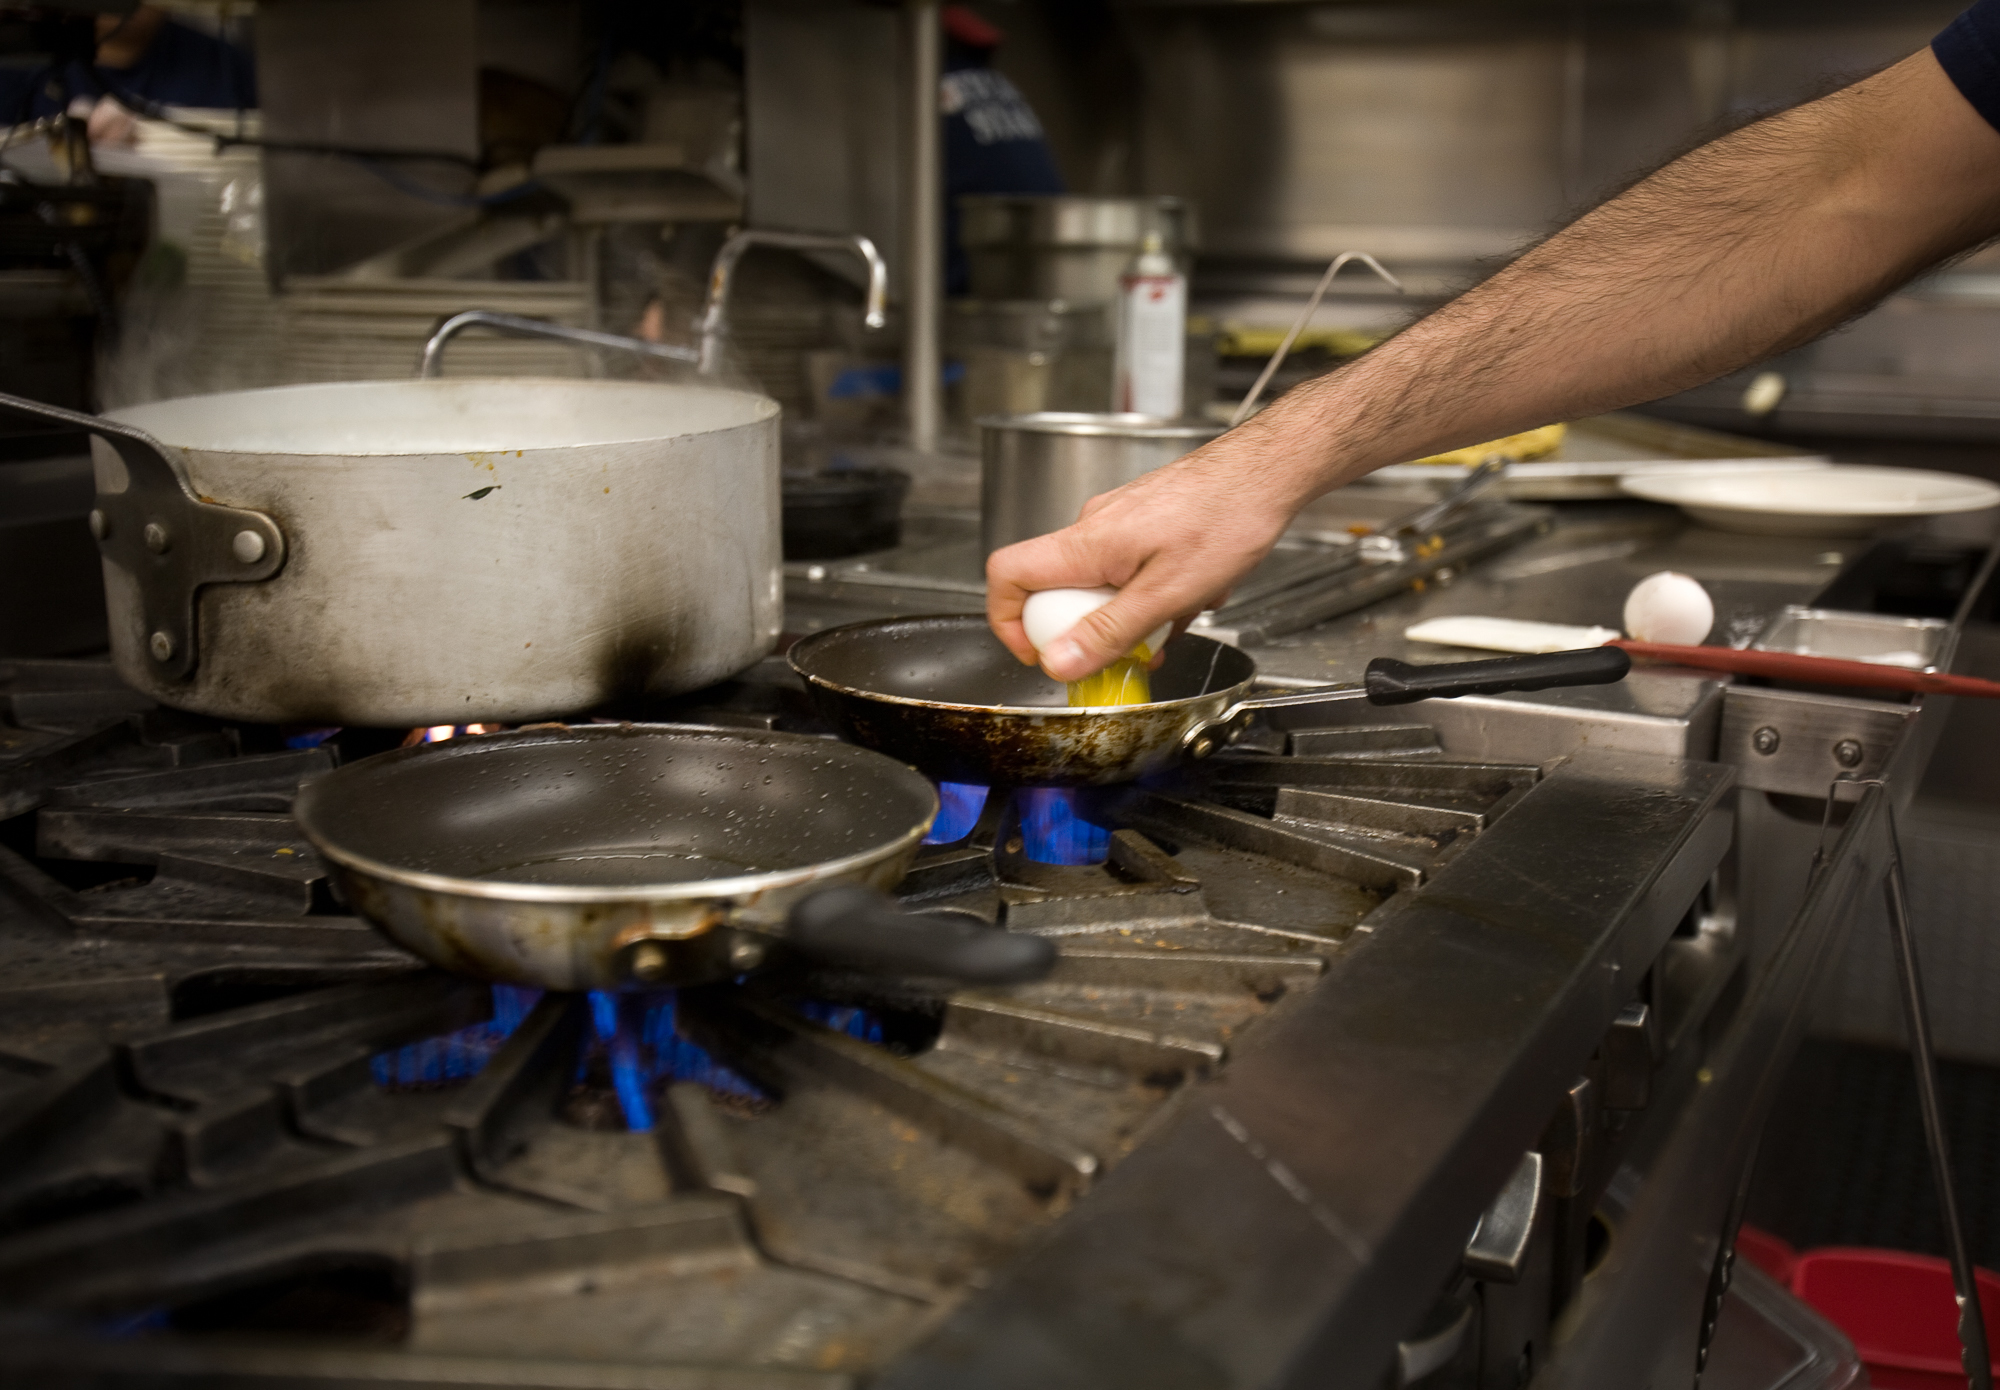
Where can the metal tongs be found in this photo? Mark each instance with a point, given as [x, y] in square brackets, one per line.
[1974, 1355]
[1385, 545]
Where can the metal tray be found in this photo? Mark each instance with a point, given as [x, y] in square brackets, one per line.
[1888, 641]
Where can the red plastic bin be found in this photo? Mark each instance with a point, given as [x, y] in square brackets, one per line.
[1898, 1310]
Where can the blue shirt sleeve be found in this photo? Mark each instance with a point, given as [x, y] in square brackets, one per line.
[1969, 52]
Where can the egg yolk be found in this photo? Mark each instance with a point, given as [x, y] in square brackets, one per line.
[1126, 681]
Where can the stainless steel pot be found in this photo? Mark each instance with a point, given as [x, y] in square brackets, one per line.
[1041, 246]
[417, 552]
[1036, 471]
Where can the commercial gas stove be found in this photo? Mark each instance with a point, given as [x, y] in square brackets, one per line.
[1327, 1086]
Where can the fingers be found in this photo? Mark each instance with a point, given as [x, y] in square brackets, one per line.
[1064, 559]
[1162, 541]
[1101, 637]
[1005, 596]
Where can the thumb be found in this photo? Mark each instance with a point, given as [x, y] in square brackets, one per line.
[1100, 637]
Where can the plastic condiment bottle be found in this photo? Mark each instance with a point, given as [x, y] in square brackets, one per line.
[1152, 334]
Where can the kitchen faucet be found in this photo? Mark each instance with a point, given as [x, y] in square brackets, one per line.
[714, 324]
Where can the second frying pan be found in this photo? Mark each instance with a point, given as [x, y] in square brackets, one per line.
[638, 856]
[942, 694]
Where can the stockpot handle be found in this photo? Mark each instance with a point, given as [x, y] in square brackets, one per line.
[170, 541]
[432, 362]
[1391, 682]
[857, 928]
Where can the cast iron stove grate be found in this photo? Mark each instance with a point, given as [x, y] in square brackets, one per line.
[240, 1135]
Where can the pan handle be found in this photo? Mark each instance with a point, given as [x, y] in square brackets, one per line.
[168, 539]
[859, 929]
[1400, 683]
[1391, 682]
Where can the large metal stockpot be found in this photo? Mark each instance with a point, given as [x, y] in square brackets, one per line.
[415, 552]
[1064, 246]
[1036, 471]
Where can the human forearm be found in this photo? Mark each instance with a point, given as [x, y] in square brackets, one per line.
[1757, 242]
[1749, 245]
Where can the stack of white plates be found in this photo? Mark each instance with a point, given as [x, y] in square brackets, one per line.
[369, 330]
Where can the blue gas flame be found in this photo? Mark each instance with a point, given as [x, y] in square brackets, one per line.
[1054, 831]
[959, 805]
[636, 1033]
[456, 1056]
[844, 1018]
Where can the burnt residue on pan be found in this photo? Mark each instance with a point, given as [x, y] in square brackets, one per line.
[943, 694]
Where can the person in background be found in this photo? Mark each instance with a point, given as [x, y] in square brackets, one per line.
[1755, 243]
[992, 141]
[145, 54]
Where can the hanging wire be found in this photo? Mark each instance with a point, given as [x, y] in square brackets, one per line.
[1319, 293]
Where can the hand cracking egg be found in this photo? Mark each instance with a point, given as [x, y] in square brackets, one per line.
[1049, 614]
[1669, 607]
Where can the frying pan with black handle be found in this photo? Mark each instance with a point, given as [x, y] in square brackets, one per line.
[942, 694]
[639, 856]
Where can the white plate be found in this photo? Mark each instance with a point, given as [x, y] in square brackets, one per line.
[1844, 500]
[1569, 480]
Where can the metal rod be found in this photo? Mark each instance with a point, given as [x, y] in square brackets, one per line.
[714, 326]
[1299, 326]
[1723, 1270]
[1385, 542]
[1916, 1016]
[923, 230]
[432, 361]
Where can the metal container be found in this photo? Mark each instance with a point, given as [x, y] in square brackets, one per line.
[1913, 643]
[1038, 246]
[417, 552]
[1036, 471]
[1026, 355]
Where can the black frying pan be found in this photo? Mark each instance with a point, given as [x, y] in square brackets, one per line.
[943, 694]
[635, 855]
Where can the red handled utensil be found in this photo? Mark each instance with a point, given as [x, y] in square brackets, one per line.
[1812, 670]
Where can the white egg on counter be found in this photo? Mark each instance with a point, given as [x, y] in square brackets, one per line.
[1669, 607]
[1050, 613]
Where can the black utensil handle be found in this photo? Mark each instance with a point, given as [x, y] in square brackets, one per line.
[860, 929]
[1390, 682]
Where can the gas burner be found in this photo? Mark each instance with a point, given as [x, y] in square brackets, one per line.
[228, 1107]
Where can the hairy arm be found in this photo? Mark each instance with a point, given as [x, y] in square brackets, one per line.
[1755, 243]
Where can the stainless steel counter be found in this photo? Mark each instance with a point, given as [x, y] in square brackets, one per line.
[1395, 1103]
[1578, 572]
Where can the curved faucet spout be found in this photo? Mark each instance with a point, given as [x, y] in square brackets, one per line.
[715, 317]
